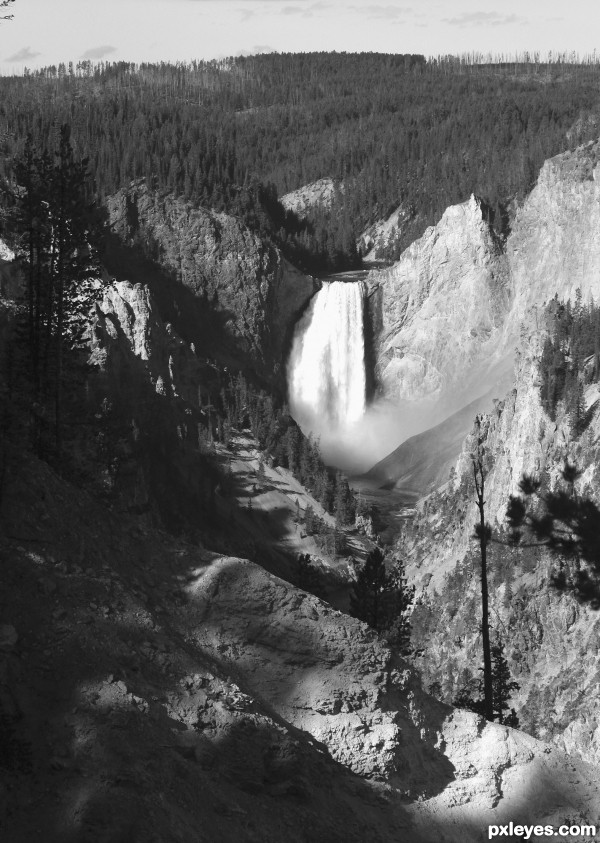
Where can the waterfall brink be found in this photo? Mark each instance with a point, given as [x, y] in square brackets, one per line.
[326, 369]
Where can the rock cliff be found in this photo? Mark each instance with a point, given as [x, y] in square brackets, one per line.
[447, 316]
[383, 234]
[551, 642]
[448, 312]
[244, 294]
[441, 309]
[318, 193]
[484, 300]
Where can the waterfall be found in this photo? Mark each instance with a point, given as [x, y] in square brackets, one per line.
[326, 368]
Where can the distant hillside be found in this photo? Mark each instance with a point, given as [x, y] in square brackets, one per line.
[233, 135]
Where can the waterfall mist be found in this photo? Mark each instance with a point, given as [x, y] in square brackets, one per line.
[326, 368]
[326, 373]
[327, 385]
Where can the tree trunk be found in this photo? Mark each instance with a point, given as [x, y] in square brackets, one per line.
[488, 693]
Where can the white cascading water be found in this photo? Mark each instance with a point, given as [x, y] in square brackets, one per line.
[326, 369]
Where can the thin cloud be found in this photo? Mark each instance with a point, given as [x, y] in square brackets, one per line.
[305, 11]
[26, 54]
[484, 19]
[386, 12]
[99, 52]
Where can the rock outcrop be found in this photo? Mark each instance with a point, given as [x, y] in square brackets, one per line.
[331, 677]
[128, 324]
[245, 295]
[318, 193]
[382, 235]
[447, 314]
[440, 310]
[551, 641]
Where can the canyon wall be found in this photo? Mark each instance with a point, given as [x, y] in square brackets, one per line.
[448, 312]
[447, 317]
[551, 641]
[442, 308]
[241, 291]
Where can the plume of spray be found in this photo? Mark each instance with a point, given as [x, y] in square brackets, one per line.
[327, 382]
[327, 385]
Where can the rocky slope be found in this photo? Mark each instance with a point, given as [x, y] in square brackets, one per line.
[242, 293]
[378, 237]
[319, 193]
[552, 644]
[138, 671]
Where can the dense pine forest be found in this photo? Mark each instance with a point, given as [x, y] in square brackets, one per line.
[389, 129]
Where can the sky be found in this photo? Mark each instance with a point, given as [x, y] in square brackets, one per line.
[45, 32]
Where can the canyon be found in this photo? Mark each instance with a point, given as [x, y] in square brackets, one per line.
[177, 691]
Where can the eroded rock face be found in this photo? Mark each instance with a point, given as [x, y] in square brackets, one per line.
[251, 293]
[330, 676]
[554, 245]
[148, 385]
[448, 313]
[318, 193]
[382, 234]
[441, 307]
[128, 323]
[551, 641]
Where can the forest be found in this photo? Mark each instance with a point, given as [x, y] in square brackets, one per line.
[570, 360]
[237, 134]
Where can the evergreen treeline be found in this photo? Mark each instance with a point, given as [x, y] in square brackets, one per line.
[570, 359]
[236, 134]
[56, 231]
[242, 405]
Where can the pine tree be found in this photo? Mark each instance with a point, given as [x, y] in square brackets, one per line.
[399, 602]
[569, 525]
[382, 600]
[57, 229]
[483, 533]
[367, 597]
[503, 687]
[308, 578]
[309, 519]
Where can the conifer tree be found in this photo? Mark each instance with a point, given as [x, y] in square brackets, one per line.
[367, 601]
[57, 229]
[569, 525]
[382, 600]
[503, 687]
[307, 575]
[483, 533]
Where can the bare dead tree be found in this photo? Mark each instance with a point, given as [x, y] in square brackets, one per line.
[483, 533]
